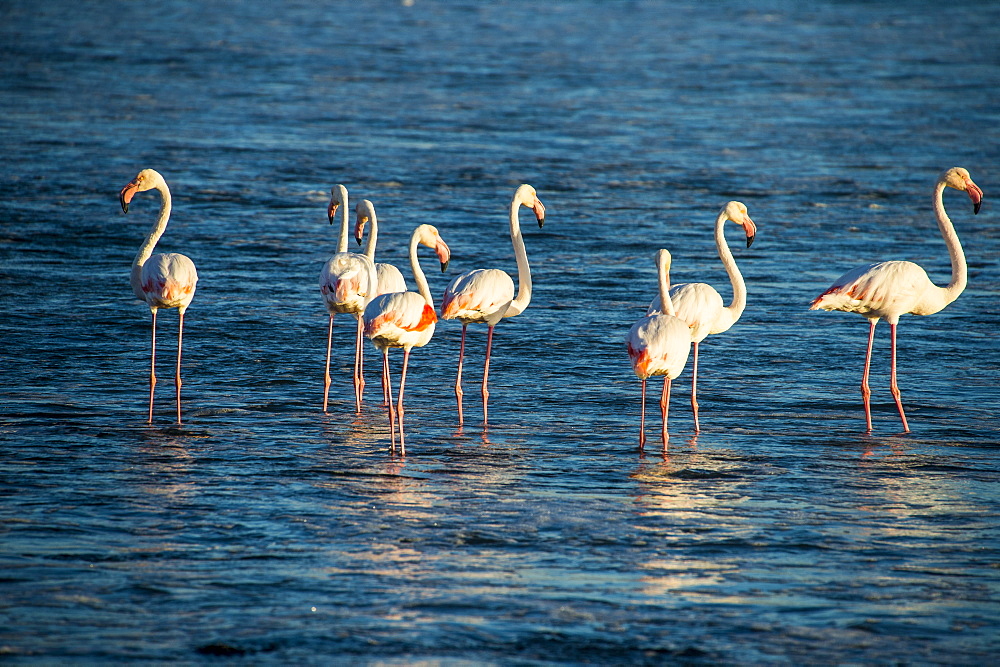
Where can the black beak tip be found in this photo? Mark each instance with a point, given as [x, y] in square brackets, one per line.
[541, 222]
[444, 266]
[750, 240]
[977, 206]
[124, 206]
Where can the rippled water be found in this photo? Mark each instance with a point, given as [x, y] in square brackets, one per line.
[263, 528]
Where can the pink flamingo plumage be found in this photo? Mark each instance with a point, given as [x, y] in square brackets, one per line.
[659, 344]
[487, 295]
[890, 289]
[347, 282]
[406, 320]
[163, 280]
[700, 305]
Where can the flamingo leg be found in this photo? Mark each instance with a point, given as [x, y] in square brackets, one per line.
[458, 379]
[694, 388]
[892, 385]
[399, 408]
[359, 377]
[177, 372]
[866, 392]
[664, 407]
[486, 375]
[642, 416]
[392, 409]
[326, 378]
[152, 367]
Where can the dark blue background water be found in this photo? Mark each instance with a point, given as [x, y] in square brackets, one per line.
[266, 529]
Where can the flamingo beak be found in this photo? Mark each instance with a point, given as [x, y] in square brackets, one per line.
[331, 210]
[359, 228]
[127, 193]
[975, 194]
[443, 253]
[750, 228]
[539, 210]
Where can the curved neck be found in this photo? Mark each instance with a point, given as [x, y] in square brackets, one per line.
[523, 297]
[345, 224]
[735, 277]
[666, 305]
[372, 234]
[418, 274]
[959, 269]
[146, 249]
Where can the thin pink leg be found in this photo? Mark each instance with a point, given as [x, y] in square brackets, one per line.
[892, 385]
[458, 378]
[694, 388]
[177, 373]
[642, 417]
[486, 375]
[326, 378]
[399, 409]
[359, 378]
[664, 407]
[152, 368]
[392, 409]
[866, 392]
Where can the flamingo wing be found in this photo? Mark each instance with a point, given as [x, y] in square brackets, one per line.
[168, 280]
[883, 289]
[400, 319]
[390, 279]
[659, 345]
[478, 296]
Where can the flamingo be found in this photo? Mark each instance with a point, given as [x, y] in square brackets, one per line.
[890, 289]
[700, 305]
[390, 278]
[163, 280]
[659, 344]
[347, 282]
[487, 295]
[406, 320]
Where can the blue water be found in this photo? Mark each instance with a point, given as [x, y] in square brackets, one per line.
[265, 529]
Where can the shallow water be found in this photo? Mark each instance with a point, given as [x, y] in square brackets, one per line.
[263, 528]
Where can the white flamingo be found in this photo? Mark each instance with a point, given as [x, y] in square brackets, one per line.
[347, 283]
[406, 320]
[390, 278]
[700, 305]
[487, 295]
[659, 344]
[163, 280]
[890, 289]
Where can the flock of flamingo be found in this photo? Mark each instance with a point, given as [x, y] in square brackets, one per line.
[676, 322]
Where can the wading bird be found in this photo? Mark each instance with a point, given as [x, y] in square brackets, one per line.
[890, 289]
[487, 295]
[347, 283]
[700, 305]
[659, 344]
[163, 280]
[406, 320]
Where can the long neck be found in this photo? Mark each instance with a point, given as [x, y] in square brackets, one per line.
[523, 298]
[959, 269]
[666, 304]
[418, 274]
[345, 224]
[372, 235]
[735, 277]
[146, 249]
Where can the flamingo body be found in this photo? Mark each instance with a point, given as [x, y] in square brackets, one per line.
[168, 280]
[481, 295]
[890, 289]
[388, 279]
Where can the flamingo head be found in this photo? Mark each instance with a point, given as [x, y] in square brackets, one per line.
[737, 212]
[365, 211]
[525, 196]
[147, 179]
[959, 178]
[338, 198]
[428, 235]
[663, 259]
